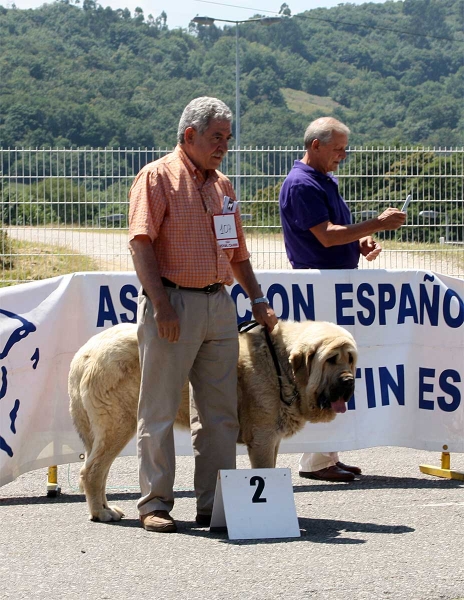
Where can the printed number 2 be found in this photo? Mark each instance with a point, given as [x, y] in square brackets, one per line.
[259, 482]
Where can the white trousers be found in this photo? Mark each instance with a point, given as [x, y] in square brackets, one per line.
[315, 461]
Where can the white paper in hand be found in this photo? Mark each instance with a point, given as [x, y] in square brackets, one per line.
[406, 203]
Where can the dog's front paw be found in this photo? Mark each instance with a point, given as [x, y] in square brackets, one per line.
[105, 515]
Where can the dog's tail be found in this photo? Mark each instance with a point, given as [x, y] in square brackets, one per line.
[103, 372]
[77, 374]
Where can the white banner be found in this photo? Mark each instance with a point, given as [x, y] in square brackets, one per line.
[409, 327]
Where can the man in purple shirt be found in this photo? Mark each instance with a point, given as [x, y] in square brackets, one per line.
[319, 234]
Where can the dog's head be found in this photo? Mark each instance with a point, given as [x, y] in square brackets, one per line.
[324, 367]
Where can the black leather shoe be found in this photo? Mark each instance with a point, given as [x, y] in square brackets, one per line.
[332, 473]
[351, 469]
[203, 520]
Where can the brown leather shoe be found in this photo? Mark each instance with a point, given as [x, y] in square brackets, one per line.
[160, 521]
[351, 469]
[332, 473]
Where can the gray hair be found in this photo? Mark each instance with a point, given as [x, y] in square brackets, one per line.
[322, 129]
[199, 112]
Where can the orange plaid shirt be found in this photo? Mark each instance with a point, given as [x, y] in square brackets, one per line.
[171, 202]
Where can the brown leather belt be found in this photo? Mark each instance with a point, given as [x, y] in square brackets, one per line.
[212, 288]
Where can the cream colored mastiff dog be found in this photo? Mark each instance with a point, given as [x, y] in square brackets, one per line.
[316, 361]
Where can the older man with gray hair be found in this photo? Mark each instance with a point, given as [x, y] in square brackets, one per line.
[319, 234]
[180, 206]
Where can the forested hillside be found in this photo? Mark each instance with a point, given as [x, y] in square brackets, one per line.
[87, 76]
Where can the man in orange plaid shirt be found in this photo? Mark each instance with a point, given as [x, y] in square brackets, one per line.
[187, 243]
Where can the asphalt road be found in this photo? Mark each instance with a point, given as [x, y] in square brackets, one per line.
[394, 534]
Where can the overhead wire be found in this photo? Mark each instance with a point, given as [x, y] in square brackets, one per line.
[339, 22]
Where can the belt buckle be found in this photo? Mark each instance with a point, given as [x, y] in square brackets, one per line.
[212, 288]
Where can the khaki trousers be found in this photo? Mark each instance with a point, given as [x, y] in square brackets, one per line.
[207, 355]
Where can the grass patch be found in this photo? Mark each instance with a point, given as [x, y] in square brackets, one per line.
[453, 254]
[84, 229]
[308, 104]
[30, 261]
[411, 246]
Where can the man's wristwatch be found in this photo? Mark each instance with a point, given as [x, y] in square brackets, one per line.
[263, 300]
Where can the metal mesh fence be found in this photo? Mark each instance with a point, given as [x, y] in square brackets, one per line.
[65, 210]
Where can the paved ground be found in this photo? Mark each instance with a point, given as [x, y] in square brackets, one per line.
[395, 534]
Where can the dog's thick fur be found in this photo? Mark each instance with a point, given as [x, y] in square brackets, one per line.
[317, 358]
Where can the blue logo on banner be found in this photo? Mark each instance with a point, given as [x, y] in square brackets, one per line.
[22, 328]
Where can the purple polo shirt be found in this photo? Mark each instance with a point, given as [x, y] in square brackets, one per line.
[308, 198]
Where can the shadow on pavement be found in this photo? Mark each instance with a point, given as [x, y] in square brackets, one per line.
[326, 531]
[365, 482]
[318, 531]
[64, 498]
[378, 482]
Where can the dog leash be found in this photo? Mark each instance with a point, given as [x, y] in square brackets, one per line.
[246, 326]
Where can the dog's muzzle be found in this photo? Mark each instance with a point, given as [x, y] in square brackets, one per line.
[344, 388]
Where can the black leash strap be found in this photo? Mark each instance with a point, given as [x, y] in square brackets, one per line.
[279, 370]
[247, 326]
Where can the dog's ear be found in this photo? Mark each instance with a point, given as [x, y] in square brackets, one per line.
[300, 359]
